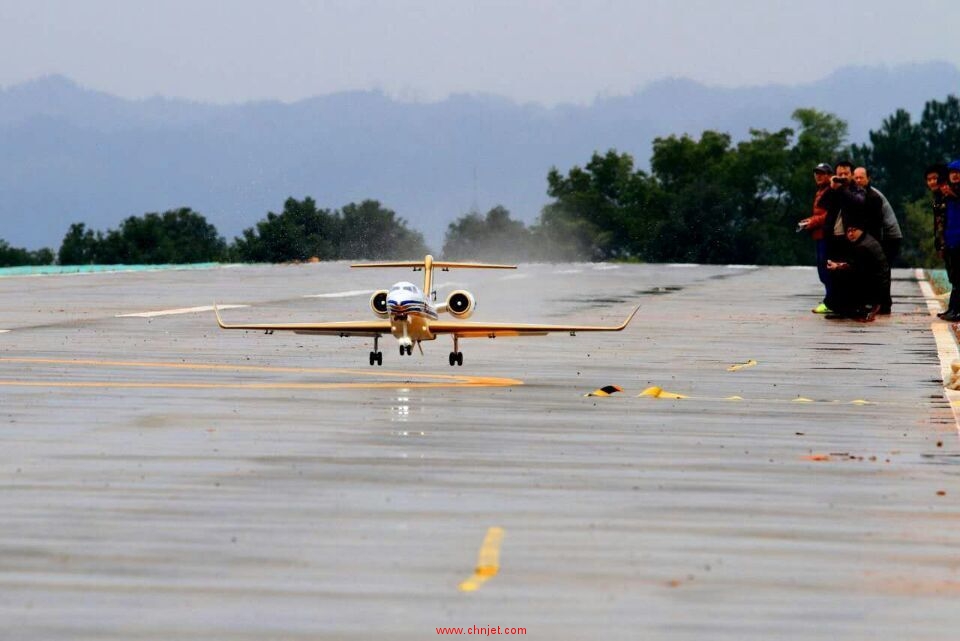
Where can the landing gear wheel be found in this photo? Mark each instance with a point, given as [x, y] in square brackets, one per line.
[409, 350]
[459, 359]
[373, 358]
[379, 359]
[403, 350]
[453, 358]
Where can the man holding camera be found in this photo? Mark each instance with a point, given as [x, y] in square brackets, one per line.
[844, 198]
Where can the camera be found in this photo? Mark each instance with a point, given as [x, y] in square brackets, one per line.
[838, 179]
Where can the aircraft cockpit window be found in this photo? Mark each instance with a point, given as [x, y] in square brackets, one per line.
[407, 287]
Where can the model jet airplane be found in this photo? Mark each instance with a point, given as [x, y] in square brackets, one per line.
[408, 313]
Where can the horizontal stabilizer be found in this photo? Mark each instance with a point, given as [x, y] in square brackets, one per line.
[429, 263]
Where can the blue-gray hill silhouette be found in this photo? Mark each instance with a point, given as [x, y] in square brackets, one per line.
[72, 154]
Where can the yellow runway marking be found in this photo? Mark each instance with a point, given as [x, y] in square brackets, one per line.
[659, 392]
[406, 379]
[488, 561]
[739, 366]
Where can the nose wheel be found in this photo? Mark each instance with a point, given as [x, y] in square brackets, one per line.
[406, 349]
[376, 356]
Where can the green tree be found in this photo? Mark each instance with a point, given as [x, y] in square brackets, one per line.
[725, 203]
[176, 236]
[300, 232]
[371, 231]
[896, 157]
[600, 211]
[79, 246]
[940, 128]
[821, 137]
[917, 226]
[18, 256]
[706, 200]
[491, 237]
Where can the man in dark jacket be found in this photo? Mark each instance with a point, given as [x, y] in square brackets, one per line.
[881, 222]
[872, 204]
[950, 190]
[935, 176]
[862, 280]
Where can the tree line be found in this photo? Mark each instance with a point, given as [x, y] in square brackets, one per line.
[300, 232]
[709, 200]
[706, 200]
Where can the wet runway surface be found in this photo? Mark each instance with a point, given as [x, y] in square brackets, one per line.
[163, 479]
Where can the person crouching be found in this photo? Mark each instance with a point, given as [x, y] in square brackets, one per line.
[860, 282]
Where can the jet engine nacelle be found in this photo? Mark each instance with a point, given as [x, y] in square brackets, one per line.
[460, 304]
[378, 303]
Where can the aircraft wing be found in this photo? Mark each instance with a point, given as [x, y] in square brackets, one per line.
[470, 329]
[343, 328]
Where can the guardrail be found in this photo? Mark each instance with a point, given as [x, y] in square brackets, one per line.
[42, 270]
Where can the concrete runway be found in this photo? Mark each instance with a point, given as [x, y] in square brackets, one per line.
[162, 479]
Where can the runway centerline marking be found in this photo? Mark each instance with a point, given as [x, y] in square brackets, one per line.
[182, 310]
[488, 561]
[405, 379]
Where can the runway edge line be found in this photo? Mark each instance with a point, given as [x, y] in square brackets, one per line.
[947, 350]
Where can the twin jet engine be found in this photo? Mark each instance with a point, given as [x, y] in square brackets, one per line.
[459, 304]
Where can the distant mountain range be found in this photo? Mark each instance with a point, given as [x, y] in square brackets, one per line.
[72, 154]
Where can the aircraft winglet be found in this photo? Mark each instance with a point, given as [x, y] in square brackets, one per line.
[216, 310]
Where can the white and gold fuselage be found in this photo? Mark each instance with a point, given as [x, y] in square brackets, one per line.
[410, 313]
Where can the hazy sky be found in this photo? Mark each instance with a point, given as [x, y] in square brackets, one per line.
[528, 50]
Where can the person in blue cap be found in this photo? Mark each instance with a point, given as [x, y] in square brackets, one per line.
[950, 190]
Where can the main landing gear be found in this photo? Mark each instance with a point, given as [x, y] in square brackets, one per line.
[456, 356]
[376, 356]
